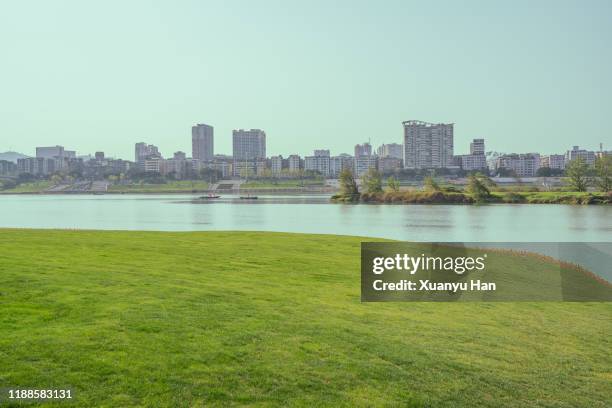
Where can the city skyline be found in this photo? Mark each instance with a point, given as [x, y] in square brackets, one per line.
[517, 74]
[190, 144]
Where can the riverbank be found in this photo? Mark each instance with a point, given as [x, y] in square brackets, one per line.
[229, 318]
[444, 197]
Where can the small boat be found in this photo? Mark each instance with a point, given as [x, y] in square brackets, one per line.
[209, 197]
[248, 197]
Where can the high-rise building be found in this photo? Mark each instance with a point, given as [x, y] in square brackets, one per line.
[52, 152]
[394, 150]
[427, 145]
[249, 144]
[143, 150]
[477, 146]
[363, 149]
[202, 142]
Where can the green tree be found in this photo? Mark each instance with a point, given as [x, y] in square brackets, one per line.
[56, 179]
[348, 185]
[603, 170]
[431, 184]
[577, 170]
[477, 187]
[393, 184]
[372, 181]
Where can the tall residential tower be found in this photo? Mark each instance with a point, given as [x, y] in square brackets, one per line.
[249, 144]
[202, 142]
[427, 145]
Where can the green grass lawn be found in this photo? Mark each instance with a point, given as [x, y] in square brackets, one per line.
[33, 187]
[263, 319]
[186, 186]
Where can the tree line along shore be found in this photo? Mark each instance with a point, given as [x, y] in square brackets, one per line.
[480, 189]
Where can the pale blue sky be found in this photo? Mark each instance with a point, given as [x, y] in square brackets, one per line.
[525, 75]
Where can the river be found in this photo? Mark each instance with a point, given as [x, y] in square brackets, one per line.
[314, 214]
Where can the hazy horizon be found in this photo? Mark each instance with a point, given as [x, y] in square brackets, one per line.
[526, 76]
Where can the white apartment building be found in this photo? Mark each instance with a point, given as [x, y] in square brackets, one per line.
[427, 145]
[276, 165]
[473, 162]
[523, 165]
[553, 161]
[587, 155]
[319, 162]
[339, 163]
[294, 162]
[249, 144]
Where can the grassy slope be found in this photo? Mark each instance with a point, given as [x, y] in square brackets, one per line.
[33, 187]
[190, 319]
[170, 187]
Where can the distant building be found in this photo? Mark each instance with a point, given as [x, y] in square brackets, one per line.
[523, 165]
[249, 144]
[553, 161]
[427, 145]
[99, 156]
[394, 150]
[40, 166]
[223, 167]
[476, 160]
[51, 152]
[388, 164]
[249, 168]
[202, 142]
[364, 149]
[364, 163]
[339, 163]
[178, 165]
[586, 155]
[276, 165]
[294, 163]
[7, 168]
[477, 147]
[153, 164]
[603, 153]
[319, 162]
[143, 150]
[473, 162]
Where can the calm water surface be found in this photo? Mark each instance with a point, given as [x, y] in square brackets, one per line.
[313, 214]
